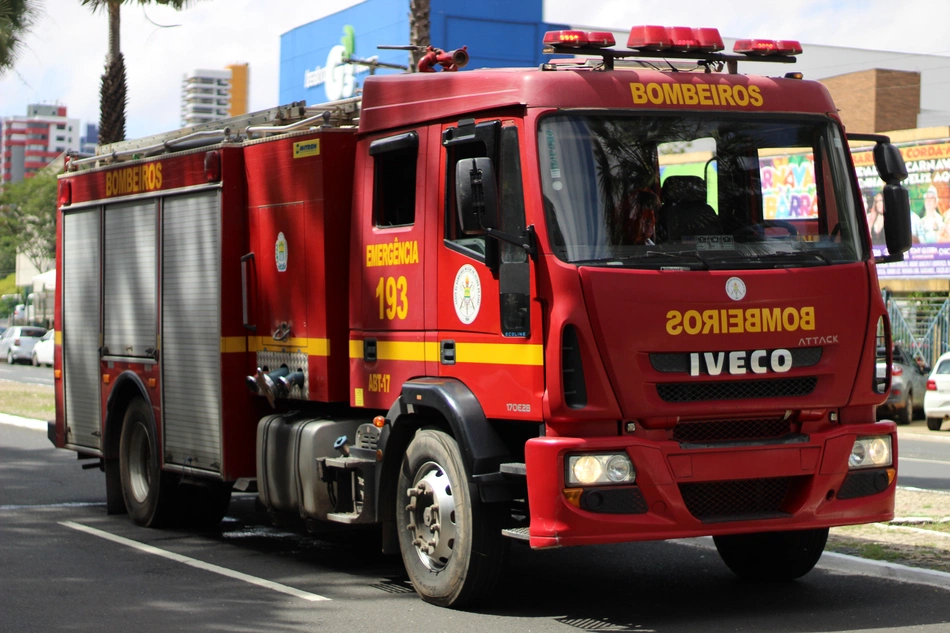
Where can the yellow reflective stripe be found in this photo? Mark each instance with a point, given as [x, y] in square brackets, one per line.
[309, 346]
[233, 344]
[57, 337]
[499, 353]
[488, 353]
[400, 350]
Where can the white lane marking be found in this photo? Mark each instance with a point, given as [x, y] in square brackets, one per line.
[185, 560]
[41, 506]
[924, 461]
[26, 423]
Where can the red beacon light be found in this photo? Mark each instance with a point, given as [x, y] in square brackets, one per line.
[680, 39]
[579, 39]
[767, 47]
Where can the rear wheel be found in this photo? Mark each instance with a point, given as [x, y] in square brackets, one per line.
[906, 415]
[934, 424]
[36, 362]
[450, 541]
[10, 359]
[772, 555]
[148, 493]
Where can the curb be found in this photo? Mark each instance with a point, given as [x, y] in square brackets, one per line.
[25, 423]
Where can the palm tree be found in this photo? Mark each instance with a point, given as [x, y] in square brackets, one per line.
[16, 19]
[418, 29]
[112, 92]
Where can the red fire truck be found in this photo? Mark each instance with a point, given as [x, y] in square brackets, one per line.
[628, 295]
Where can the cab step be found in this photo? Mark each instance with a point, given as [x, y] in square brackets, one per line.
[520, 533]
[514, 468]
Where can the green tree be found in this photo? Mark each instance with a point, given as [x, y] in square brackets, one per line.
[28, 218]
[17, 17]
[112, 91]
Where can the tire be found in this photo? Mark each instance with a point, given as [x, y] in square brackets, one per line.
[772, 555]
[203, 505]
[934, 424]
[460, 561]
[36, 363]
[10, 359]
[906, 414]
[148, 493]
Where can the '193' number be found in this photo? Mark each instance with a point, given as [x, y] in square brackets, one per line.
[391, 293]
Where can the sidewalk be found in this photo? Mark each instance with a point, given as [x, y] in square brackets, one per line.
[26, 423]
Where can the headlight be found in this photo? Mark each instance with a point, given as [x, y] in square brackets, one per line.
[871, 452]
[610, 468]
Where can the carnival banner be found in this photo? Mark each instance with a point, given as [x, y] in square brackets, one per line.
[928, 184]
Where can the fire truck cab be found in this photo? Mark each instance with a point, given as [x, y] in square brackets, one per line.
[569, 305]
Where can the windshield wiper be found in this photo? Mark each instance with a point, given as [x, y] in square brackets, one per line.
[791, 256]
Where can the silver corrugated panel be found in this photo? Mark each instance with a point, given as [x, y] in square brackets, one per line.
[130, 279]
[81, 327]
[191, 330]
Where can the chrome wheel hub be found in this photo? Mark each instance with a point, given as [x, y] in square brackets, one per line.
[432, 521]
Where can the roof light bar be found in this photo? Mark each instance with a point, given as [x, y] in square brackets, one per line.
[675, 38]
[767, 47]
[579, 39]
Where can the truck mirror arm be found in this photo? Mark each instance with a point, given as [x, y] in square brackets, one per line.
[528, 240]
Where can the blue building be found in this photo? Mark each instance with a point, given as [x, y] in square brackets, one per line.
[498, 33]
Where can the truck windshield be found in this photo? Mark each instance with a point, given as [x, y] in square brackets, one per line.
[697, 191]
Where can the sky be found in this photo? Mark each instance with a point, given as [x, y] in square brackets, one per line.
[64, 56]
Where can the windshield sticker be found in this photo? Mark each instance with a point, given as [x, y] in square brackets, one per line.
[738, 321]
[696, 94]
[467, 294]
[552, 159]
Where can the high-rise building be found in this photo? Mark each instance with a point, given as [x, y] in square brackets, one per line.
[205, 96]
[240, 82]
[88, 142]
[29, 143]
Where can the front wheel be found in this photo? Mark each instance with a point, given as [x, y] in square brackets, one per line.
[772, 555]
[10, 359]
[934, 424]
[148, 494]
[451, 543]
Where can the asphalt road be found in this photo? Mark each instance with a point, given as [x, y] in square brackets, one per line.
[66, 565]
[26, 373]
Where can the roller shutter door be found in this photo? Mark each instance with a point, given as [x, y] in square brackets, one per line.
[191, 330]
[80, 327]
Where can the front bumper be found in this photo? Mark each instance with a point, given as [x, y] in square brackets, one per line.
[673, 484]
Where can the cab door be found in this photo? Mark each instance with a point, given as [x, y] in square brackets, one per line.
[387, 343]
[488, 329]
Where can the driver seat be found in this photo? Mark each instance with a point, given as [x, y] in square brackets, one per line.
[684, 211]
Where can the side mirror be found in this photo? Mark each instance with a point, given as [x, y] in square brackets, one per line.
[476, 196]
[890, 164]
[897, 228]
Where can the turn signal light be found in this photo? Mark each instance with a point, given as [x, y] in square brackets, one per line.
[578, 39]
[896, 370]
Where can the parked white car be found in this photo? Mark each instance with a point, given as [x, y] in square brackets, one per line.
[17, 342]
[937, 398]
[43, 350]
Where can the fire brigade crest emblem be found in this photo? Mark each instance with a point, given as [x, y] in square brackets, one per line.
[467, 294]
[280, 252]
[735, 288]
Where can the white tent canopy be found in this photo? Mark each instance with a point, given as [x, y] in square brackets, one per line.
[45, 282]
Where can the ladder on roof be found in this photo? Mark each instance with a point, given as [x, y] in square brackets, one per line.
[282, 119]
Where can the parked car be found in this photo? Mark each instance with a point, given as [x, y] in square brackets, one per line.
[43, 350]
[17, 342]
[937, 399]
[908, 385]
